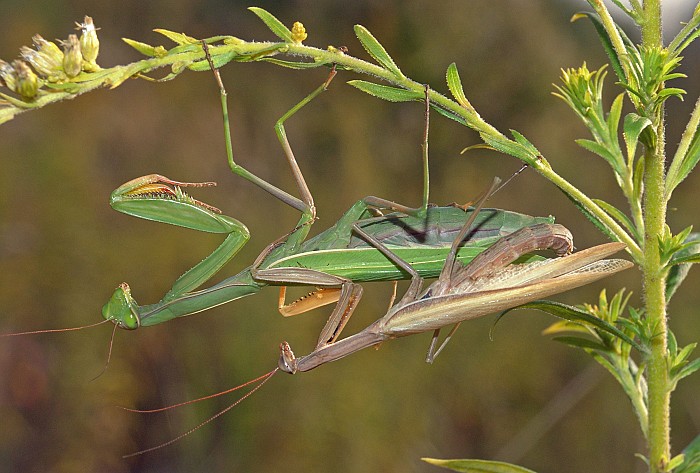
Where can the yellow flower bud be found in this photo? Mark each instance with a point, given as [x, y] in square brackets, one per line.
[47, 60]
[27, 81]
[89, 44]
[72, 59]
[298, 33]
[8, 76]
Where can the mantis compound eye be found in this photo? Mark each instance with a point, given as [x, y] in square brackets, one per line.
[287, 361]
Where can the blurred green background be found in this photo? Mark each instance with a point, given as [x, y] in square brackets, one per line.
[63, 250]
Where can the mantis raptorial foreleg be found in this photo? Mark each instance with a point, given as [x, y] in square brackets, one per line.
[488, 284]
[158, 198]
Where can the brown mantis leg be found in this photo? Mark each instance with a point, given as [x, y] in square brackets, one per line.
[412, 293]
[349, 293]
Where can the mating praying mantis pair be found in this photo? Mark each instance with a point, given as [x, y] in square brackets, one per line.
[330, 260]
[471, 250]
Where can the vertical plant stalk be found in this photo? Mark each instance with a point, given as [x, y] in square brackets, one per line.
[654, 280]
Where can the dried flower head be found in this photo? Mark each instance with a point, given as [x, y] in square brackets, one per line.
[72, 59]
[47, 59]
[89, 44]
[27, 81]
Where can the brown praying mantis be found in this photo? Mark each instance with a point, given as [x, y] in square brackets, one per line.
[488, 284]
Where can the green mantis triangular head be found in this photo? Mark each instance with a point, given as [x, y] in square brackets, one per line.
[122, 309]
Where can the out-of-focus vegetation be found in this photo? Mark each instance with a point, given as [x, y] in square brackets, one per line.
[63, 250]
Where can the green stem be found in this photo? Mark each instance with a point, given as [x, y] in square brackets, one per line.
[654, 275]
[655, 300]
[651, 26]
[251, 51]
[616, 39]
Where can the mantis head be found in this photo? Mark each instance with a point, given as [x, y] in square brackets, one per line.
[122, 309]
[287, 361]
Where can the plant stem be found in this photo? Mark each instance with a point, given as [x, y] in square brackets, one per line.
[654, 274]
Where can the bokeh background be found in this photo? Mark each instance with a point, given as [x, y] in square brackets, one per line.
[63, 250]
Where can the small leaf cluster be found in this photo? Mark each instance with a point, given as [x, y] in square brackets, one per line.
[643, 73]
[610, 351]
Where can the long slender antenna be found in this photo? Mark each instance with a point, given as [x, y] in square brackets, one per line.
[54, 330]
[264, 379]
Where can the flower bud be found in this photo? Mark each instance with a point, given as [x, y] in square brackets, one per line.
[8, 76]
[47, 60]
[72, 59]
[89, 44]
[27, 81]
[298, 33]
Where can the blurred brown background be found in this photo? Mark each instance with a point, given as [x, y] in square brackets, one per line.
[63, 250]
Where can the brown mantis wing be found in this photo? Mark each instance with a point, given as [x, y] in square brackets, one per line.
[431, 312]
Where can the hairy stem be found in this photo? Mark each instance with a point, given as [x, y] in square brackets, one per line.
[654, 275]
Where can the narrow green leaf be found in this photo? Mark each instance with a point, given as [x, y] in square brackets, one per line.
[612, 369]
[179, 38]
[449, 114]
[687, 34]
[276, 26]
[675, 462]
[671, 91]
[605, 40]
[583, 343]
[687, 259]
[620, 216]
[688, 369]
[686, 43]
[632, 128]
[519, 138]
[512, 148]
[672, 343]
[377, 51]
[687, 156]
[392, 94]
[678, 271]
[593, 218]
[690, 251]
[146, 49]
[638, 180]
[691, 460]
[603, 152]
[477, 466]
[565, 326]
[685, 353]
[293, 64]
[574, 314]
[675, 75]
[218, 60]
[454, 83]
[613, 119]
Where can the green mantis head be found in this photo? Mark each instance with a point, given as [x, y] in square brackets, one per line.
[122, 309]
[155, 197]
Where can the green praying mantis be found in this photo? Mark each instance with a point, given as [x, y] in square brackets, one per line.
[488, 284]
[331, 261]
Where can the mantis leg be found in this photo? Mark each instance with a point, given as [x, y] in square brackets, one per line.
[414, 290]
[348, 296]
[349, 293]
[158, 198]
[161, 199]
[306, 204]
